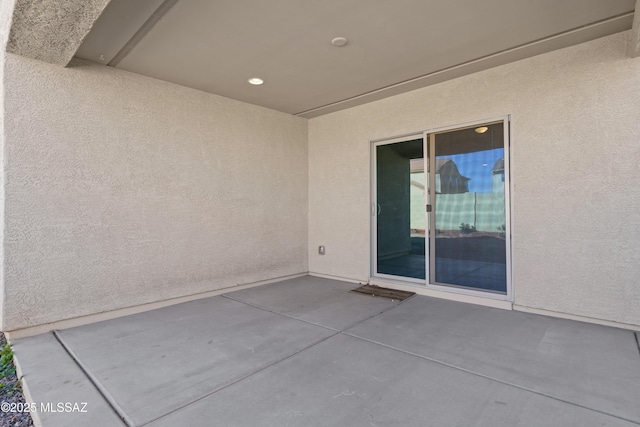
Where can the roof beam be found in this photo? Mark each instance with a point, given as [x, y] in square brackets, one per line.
[634, 42]
[52, 30]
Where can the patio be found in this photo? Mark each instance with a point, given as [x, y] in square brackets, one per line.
[307, 352]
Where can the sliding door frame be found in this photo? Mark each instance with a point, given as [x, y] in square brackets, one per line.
[428, 138]
[375, 206]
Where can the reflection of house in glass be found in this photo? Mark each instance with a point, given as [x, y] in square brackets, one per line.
[448, 178]
[498, 176]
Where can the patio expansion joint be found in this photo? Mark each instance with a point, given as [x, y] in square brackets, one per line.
[335, 333]
[281, 314]
[120, 413]
[239, 380]
[317, 324]
[490, 378]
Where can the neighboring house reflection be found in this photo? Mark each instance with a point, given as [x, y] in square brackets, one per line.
[498, 176]
[448, 177]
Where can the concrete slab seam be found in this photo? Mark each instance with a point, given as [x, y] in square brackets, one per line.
[317, 324]
[439, 362]
[398, 303]
[635, 334]
[280, 314]
[239, 379]
[103, 392]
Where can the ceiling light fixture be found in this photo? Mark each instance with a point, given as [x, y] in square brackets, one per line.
[256, 81]
[339, 41]
[482, 129]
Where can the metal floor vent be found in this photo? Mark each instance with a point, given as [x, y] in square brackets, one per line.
[377, 291]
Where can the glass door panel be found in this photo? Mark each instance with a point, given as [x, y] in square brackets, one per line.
[468, 244]
[400, 209]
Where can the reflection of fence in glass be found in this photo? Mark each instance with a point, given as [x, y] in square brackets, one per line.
[417, 203]
[484, 211]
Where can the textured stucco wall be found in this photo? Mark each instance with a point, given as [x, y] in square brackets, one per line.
[575, 154]
[52, 30]
[6, 7]
[122, 190]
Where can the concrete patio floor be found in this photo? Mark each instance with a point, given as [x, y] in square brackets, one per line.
[307, 352]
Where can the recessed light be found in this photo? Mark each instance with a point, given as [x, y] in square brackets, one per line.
[256, 81]
[339, 41]
[482, 129]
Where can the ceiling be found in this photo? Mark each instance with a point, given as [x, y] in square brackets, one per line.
[393, 45]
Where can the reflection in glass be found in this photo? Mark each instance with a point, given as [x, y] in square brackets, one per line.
[469, 244]
[400, 209]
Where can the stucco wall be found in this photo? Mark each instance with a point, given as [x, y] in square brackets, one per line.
[575, 153]
[6, 9]
[122, 190]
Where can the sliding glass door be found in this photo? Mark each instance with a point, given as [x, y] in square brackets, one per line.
[468, 244]
[400, 209]
[441, 209]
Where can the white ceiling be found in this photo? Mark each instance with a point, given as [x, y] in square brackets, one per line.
[394, 45]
